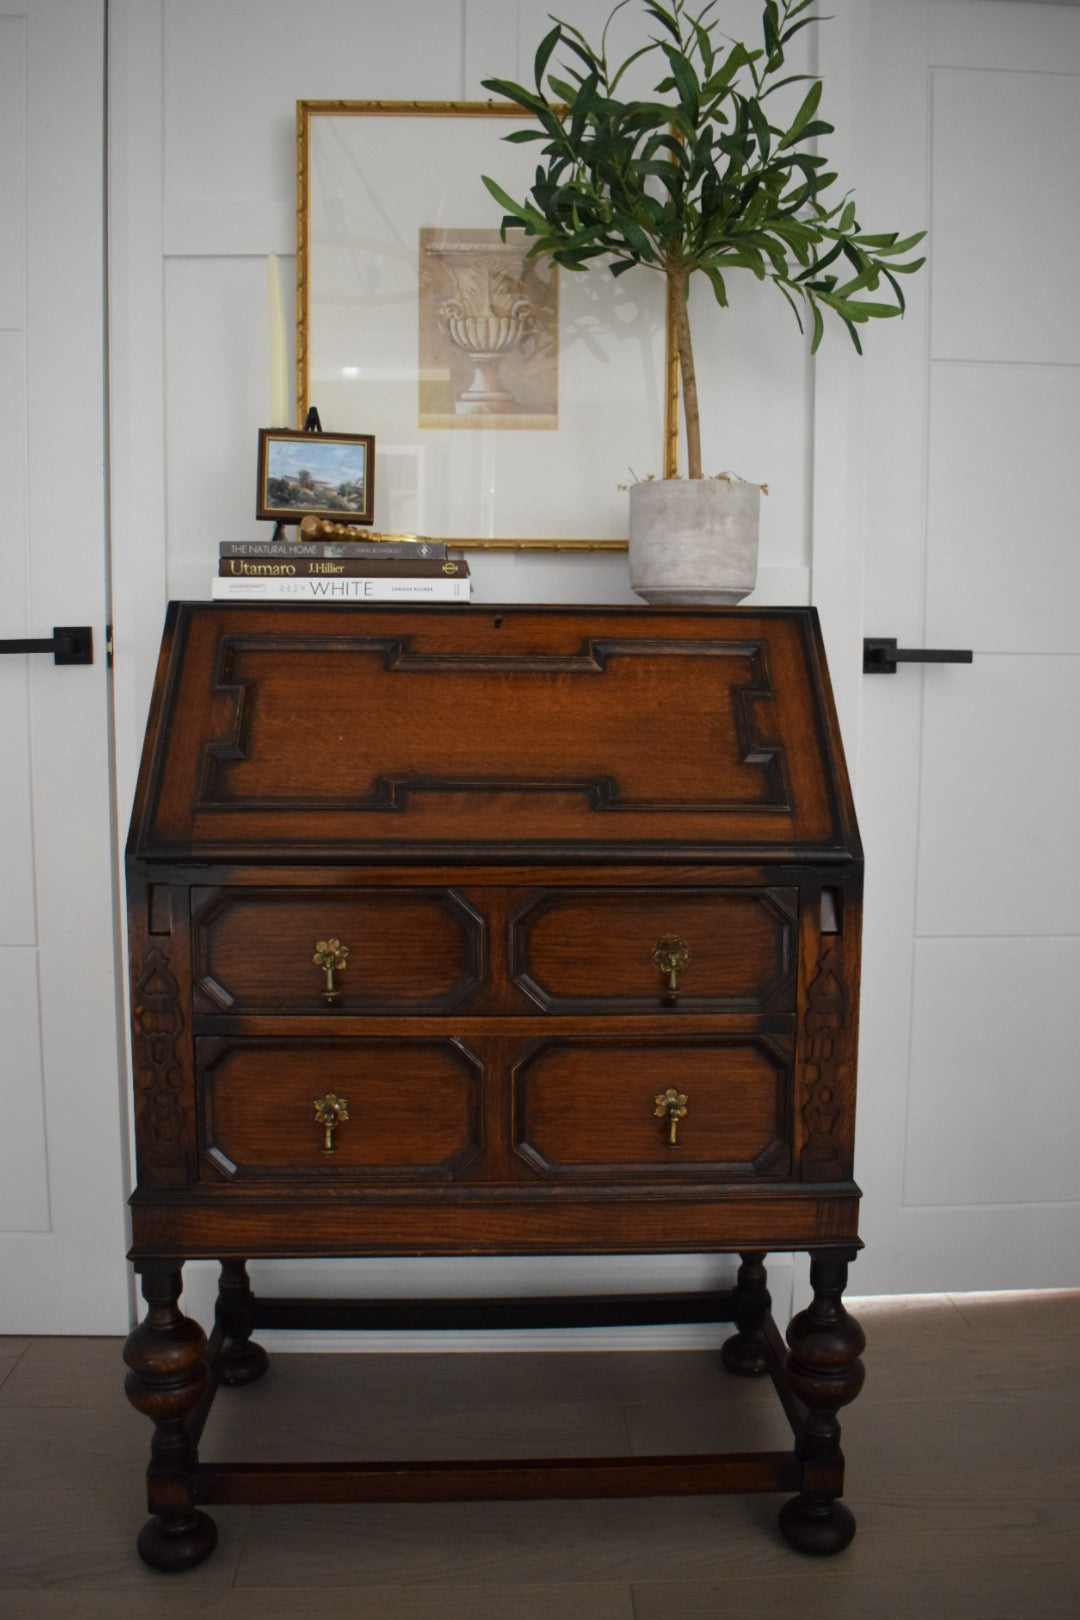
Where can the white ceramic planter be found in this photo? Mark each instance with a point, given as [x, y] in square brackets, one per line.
[694, 541]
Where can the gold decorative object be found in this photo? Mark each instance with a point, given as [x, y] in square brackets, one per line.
[330, 1112]
[332, 956]
[671, 1105]
[671, 957]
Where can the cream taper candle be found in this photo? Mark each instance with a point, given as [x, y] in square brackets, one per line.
[279, 364]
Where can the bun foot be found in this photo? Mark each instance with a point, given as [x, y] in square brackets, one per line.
[173, 1547]
[746, 1357]
[243, 1365]
[817, 1527]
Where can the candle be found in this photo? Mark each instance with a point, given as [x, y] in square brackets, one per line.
[279, 366]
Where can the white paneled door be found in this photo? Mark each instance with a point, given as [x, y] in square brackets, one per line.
[61, 1172]
[969, 779]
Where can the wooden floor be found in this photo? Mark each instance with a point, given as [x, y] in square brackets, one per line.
[963, 1472]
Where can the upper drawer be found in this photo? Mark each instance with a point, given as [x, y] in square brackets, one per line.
[704, 950]
[344, 734]
[402, 950]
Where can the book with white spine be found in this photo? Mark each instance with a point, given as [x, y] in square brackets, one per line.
[385, 588]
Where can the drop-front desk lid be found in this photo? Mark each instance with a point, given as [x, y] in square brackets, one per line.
[355, 733]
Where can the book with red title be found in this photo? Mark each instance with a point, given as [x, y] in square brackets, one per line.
[277, 567]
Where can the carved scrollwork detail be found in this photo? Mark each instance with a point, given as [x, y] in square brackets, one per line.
[156, 1024]
[828, 1005]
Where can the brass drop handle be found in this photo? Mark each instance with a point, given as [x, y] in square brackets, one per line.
[332, 956]
[671, 1105]
[330, 1111]
[671, 957]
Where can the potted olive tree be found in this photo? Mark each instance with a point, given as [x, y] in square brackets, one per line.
[696, 178]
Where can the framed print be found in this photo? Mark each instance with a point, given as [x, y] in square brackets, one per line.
[510, 398]
[320, 475]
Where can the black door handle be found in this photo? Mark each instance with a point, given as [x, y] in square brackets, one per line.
[880, 655]
[69, 644]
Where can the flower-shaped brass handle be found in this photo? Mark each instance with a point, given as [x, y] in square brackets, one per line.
[670, 1105]
[330, 1111]
[671, 957]
[332, 956]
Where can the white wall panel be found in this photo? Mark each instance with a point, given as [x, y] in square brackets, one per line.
[1004, 244]
[24, 1198]
[217, 397]
[1001, 798]
[17, 888]
[973, 1247]
[233, 75]
[1003, 564]
[1040, 34]
[994, 1108]
[12, 171]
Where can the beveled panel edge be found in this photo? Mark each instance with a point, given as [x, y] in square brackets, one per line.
[216, 898]
[212, 1050]
[765, 1001]
[781, 1057]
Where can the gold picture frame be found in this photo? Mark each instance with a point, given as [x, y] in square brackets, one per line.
[325, 476]
[510, 406]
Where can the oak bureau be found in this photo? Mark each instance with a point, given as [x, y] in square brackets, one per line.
[492, 931]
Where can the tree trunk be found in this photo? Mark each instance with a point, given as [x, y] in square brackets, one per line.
[677, 280]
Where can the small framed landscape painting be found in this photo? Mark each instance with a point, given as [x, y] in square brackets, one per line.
[321, 475]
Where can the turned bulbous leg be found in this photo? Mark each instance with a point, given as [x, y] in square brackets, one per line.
[744, 1353]
[825, 1372]
[168, 1376]
[240, 1361]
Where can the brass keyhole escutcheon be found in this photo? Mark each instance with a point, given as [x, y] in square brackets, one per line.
[671, 957]
[330, 1112]
[671, 1105]
[333, 957]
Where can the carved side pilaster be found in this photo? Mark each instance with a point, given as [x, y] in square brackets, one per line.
[825, 1027]
[156, 1025]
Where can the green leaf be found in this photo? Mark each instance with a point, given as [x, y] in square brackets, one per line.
[635, 236]
[906, 269]
[816, 127]
[761, 127]
[686, 80]
[508, 91]
[665, 18]
[522, 213]
[805, 113]
[716, 281]
[708, 55]
[630, 60]
[737, 58]
[887, 250]
[789, 33]
[543, 54]
[782, 84]
[770, 22]
[819, 327]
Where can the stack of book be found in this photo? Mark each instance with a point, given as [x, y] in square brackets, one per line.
[339, 571]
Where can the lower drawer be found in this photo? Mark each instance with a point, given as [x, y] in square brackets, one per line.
[689, 1108]
[323, 1109]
